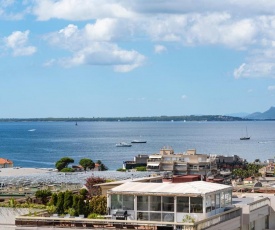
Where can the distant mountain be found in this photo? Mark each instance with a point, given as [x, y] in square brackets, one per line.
[269, 114]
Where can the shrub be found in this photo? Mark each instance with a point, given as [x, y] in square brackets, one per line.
[121, 170]
[94, 216]
[141, 168]
[67, 170]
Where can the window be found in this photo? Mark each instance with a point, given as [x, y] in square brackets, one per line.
[196, 204]
[155, 216]
[155, 203]
[217, 201]
[266, 220]
[168, 203]
[252, 225]
[143, 216]
[142, 203]
[228, 198]
[222, 199]
[210, 203]
[125, 202]
[128, 202]
[183, 204]
[116, 201]
[168, 217]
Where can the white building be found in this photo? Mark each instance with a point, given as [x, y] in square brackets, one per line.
[177, 203]
[181, 163]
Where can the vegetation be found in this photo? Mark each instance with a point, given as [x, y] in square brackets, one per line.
[249, 170]
[115, 119]
[43, 195]
[67, 170]
[94, 216]
[94, 190]
[121, 170]
[63, 163]
[101, 166]
[141, 168]
[98, 205]
[87, 163]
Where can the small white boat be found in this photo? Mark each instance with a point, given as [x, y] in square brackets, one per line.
[138, 141]
[31, 130]
[123, 144]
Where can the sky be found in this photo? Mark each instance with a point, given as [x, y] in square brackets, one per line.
[121, 58]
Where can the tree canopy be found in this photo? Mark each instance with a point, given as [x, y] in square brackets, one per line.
[87, 163]
[63, 163]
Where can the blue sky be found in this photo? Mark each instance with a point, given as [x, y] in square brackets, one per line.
[111, 58]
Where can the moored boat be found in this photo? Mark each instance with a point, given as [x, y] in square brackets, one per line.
[138, 141]
[245, 137]
[123, 144]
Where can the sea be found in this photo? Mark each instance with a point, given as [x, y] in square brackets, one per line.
[41, 144]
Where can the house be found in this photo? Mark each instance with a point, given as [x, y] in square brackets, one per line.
[169, 202]
[5, 163]
[267, 171]
[139, 160]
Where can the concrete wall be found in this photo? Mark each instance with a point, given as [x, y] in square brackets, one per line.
[7, 215]
[233, 224]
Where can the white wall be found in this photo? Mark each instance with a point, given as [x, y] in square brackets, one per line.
[7, 215]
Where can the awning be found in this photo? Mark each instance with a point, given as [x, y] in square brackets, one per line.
[153, 163]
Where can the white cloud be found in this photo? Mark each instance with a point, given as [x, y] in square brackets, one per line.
[49, 63]
[245, 26]
[88, 47]
[239, 71]
[18, 42]
[80, 9]
[271, 87]
[159, 49]
[8, 10]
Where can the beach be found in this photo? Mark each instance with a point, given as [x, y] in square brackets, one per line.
[18, 171]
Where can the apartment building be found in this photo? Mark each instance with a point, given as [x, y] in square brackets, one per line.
[181, 163]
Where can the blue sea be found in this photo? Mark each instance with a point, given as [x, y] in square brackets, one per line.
[41, 144]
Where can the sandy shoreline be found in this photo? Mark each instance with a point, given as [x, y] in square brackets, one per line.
[16, 171]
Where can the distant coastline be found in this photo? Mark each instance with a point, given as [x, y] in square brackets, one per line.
[122, 119]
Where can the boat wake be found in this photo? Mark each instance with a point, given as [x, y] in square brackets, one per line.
[262, 142]
[31, 130]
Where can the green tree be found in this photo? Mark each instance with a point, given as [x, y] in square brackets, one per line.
[83, 192]
[63, 163]
[60, 203]
[98, 205]
[87, 163]
[141, 168]
[68, 200]
[67, 170]
[101, 166]
[81, 207]
[75, 203]
[53, 200]
[43, 195]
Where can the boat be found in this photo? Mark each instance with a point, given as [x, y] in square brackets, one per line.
[123, 144]
[138, 141]
[245, 137]
[75, 123]
[31, 130]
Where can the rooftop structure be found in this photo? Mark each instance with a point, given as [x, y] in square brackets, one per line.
[169, 202]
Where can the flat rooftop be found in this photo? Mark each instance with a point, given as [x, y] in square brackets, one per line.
[196, 188]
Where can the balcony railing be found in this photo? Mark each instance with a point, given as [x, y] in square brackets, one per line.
[28, 221]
